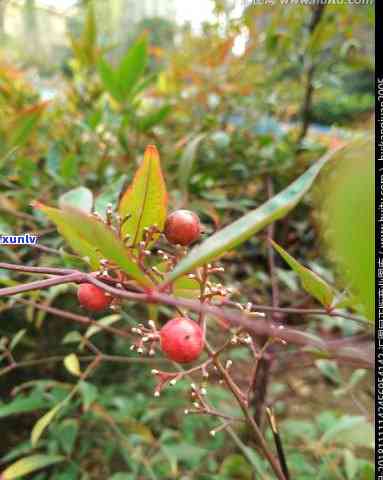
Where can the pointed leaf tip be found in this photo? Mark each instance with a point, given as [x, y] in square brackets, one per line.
[152, 151]
[311, 282]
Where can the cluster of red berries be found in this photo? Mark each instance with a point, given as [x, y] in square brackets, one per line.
[181, 338]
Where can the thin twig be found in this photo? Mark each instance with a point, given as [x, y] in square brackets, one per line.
[261, 443]
[74, 317]
[37, 270]
[278, 442]
[259, 327]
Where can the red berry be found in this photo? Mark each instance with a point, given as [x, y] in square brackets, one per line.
[182, 227]
[93, 298]
[182, 340]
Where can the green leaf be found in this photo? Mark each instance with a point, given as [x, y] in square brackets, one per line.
[81, 198]
[187, 160]
[72, 337]
[185, 452]
[89, 393]
[53, 161]
[355, 378]
[90, 233]
[367, 470]
[110, 79]
[143, 84]
[330, 370]
[67, 432]
[30, 464]
[72, 364]
[23, 405]
[146, 199]
[89, 35]
[85, 47]
[108, 320]
[16, 339]
[251, 223]
[24, 125]
[347, 220]
[154, 118]
[299, 429]
[69, 167]
[186, 287]
[79, 244]
[311, 282]
[183, 287]
[44, 421]
[348, 430]
[132, 67]
[236, 466]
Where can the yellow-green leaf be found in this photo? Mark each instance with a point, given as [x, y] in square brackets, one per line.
[245, 227]
[46, 419]
[132, 66]
[43, 422]
[89, 232]
[347, 214]
[72, 364]
[311, 282]
[27, 465]
[75, 240]
[145, 200]
[25, 123]
[186, 287]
